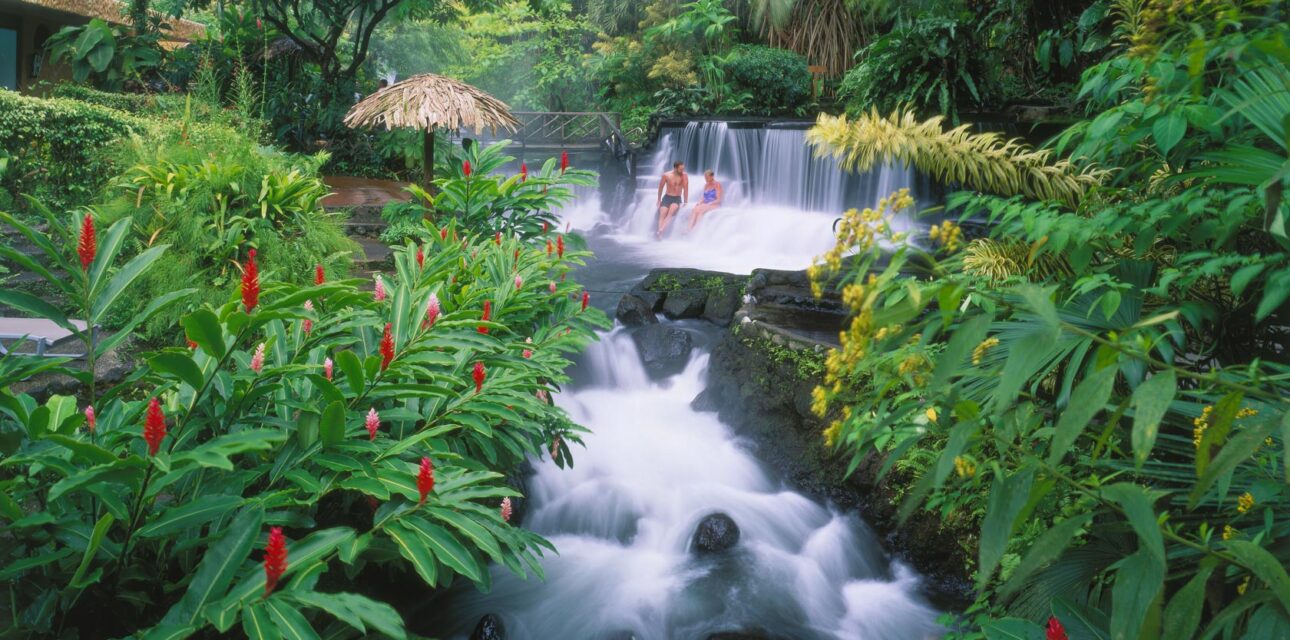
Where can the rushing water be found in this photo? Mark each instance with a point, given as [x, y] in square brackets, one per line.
[623, 516]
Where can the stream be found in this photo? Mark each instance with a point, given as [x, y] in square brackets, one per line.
[623, 517]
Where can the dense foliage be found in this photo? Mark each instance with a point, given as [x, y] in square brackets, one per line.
[1101, 382]
[776, 80]
[347, 434]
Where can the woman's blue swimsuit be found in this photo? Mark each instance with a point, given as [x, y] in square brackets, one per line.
[710, 196]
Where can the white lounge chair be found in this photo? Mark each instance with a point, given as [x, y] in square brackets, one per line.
[44, 333]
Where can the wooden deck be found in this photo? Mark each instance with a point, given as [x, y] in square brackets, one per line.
[348, 191]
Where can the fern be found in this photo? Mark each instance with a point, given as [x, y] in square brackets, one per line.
[979, 161]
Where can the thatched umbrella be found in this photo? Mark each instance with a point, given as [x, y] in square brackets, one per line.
[427, 102]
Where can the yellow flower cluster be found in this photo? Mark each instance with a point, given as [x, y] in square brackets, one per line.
[1229, 532]
[1245, 502]
[915, 364]
[819, 401]
[964, 467]
[832, 432]
[1201, 423]
[931, 414]
[859, 230]
[948, 234]
[884, 332]
[1245, 584]
[981, 349]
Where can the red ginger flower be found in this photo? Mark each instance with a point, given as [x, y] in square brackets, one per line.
[586, 297]
[549, 248]
[250, 283]
[425, 479]
[421, 257]
[275, 559]
[559, 246]
[497, 238]
[90, 420]
[544, 227]
[564, 160]
[465, 168]
[319, 278]
[519, 282]
[506, 509]
[1055, 629]
[387, 347]
[154, 426]
[87, 246]
[373, 422]
[432, 311]
[552, 287]
[191, 344]
[516, 257]
[524, 172]
[479, 375]
[308, 324]
[443, 234]
[488, 312]
[378, 292]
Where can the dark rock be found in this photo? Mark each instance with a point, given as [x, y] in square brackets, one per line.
[489, 628]
[685, 303]
[634, 311]
[716, 533]
[664, 350]
[742, 635]
[704, 402]
[721, 305]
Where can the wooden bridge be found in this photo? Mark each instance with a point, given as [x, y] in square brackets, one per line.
[572, 130]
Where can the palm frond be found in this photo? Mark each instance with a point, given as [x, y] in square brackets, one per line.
[979, 161]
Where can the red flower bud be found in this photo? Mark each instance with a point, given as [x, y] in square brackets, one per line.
[488, 312]
[586, 297]
[524, 172]
[387, 347]
[1055, 629]
[425, 479]
[373, 423]
[479, 375]
[259, 24]
[465, 168]
[191, 344]
[443, 234]
[275, 559]
[564, 161]
[318, 274]
[516, 257]
[544, 227]
[90, 419]
[154, 426]
[250, 283]
[559, 246]
[549, 248]
[498, 238]
[421, 257]
[87, 246]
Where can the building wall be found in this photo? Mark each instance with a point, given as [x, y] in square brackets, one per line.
[33, 27]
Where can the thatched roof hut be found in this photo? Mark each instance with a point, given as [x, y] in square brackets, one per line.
[428, 102]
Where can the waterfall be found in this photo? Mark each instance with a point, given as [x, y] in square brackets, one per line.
[780, 202]
[623, 515]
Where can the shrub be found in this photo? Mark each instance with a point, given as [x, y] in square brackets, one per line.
[350, 434]
[777, 79]
[57, 147]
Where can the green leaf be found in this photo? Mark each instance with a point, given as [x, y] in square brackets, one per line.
[1013, 629]
[356, 611]
[1264, 565]
[1137, 505]
[1182, 616]
[1025, 358]
[1082, 622]
[1168, 130]
[1007, 497]
[96, 539]
[410, 545]
[1045, 549]
[83, 450]
[258, 624]
[128, 471]
[188, 515]
[1150, 402]
[36, 307]
[16, 568]
[290, 623]
[202, 327]
[123, 279]
[1086, 401]
[447, 549]
[108, 247]
[1138, 582]
[956, 353]
[353, 368]
[331, 428]
[179, 365]
[218, 567]
[1237, 450]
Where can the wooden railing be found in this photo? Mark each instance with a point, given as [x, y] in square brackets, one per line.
[570, 129]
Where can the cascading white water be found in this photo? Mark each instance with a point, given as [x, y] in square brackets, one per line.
[623, 516]
[780, 200]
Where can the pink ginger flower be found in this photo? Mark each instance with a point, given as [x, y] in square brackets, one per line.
[308, 325]
[432, 311]
[257, 360]
[552, 287]
[506, 509]
[373, 422]
[528, 353]
[327, 368]
[90, 419]
[519, 282]
[379, 292]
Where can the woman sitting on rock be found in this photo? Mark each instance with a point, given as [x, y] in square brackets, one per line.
[712, 195]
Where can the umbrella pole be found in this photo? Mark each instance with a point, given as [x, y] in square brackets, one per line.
[427, 156]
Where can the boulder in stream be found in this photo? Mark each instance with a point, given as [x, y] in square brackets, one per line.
[634, 311]
[721, 305]
[664, 350]
[489, 628]
[716, 532]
